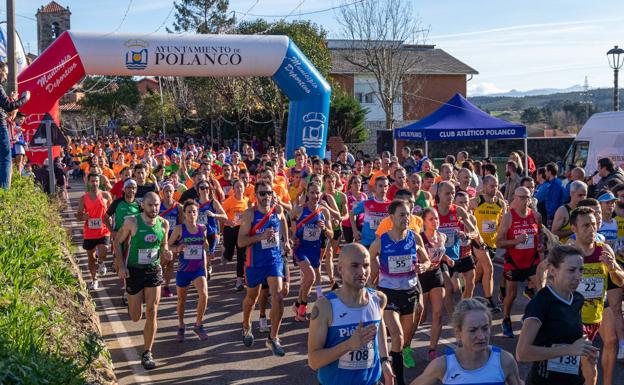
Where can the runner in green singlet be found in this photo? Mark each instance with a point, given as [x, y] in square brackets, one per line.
[145, 236]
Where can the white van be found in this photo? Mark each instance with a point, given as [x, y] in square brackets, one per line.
[602, 136]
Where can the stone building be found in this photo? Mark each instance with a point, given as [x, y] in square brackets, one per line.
[52, 20]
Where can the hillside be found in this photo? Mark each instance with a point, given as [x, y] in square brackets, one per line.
[601, 98]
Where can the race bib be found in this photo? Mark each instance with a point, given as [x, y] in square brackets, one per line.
[450, 236]
[147, 256]
[591, 287]
[399, 264]
[564, 364]
[238, 217]
[488, 227]
[374, 221]
[194, 252]
[358, 359]
[272, 242]
[202, 219]
[172, 223]
[94, 223]
[311, 233]
[528, 244]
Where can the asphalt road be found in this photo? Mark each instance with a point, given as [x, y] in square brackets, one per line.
[223, 359]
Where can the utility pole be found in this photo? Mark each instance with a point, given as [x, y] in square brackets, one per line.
[12, 79]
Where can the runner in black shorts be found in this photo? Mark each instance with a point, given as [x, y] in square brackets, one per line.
[432, 281]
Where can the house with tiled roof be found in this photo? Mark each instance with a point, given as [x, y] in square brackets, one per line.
[435, 77]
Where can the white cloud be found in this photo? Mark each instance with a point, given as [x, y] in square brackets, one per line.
[484, 88]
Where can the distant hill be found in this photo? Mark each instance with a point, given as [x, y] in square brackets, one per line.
[601, 99]
[541, 91]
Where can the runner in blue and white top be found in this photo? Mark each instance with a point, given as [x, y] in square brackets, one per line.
[347, 337]
[312, 220]
[190, 238]
[397, 258]
[476, 361]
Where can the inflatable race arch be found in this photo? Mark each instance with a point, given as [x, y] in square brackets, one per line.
[76, 54]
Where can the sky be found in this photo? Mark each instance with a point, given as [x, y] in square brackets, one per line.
[513, 44]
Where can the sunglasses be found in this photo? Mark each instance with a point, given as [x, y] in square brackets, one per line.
[204, 188]
[265, 193]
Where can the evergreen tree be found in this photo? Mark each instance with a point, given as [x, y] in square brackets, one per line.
[202, 16]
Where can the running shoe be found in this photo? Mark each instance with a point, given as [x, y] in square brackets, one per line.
[620, 355]
[494, 308]
[94, 285]
[147, 360]
[101, 270]
[295, 308]
[264, 325]
[166, 292]
[529, 293]
[209, 273]
[275, 347]
[301, 315]
[239, 284]
[180, 334]
[248, 337]
[408, 359]
[432, 355]
[201, 333]
[507, 328]
[124, 298]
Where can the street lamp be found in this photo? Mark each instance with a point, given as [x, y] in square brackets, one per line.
[616, 59]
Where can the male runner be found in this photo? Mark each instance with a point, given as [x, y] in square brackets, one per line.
[145, 238]
[347, 337]
[262, 225]
[92, 210]
[518, 233]
[488, 209]
[561, 221]
[375, 209]
[599, 264]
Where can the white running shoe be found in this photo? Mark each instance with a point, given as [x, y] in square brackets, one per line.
[102, 269]
[264, 325]
[620, 355]
[94, 285]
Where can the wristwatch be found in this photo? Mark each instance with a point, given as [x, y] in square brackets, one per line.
[382, 360]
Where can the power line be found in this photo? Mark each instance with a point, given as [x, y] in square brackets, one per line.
[309, 12]
[166, 19]
[123, 19]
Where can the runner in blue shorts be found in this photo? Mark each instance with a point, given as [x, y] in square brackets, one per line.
[261, 228]
[192, 244]
[312, 220]
[209, 211]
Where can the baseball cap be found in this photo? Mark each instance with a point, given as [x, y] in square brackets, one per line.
[607, 197]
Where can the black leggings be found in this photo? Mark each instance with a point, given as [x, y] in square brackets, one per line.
[230, 237]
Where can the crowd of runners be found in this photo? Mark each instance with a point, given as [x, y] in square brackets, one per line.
[399, 240]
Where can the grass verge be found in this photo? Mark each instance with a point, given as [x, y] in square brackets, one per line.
[45, 336]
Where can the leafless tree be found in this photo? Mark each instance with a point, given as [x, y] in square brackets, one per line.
[383, 35]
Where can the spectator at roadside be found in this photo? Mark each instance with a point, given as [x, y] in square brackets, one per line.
[608, 171]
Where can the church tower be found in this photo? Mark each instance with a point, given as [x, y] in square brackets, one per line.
[52, 21]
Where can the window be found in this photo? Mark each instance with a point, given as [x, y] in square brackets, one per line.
[56, 30]
[577, 155]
